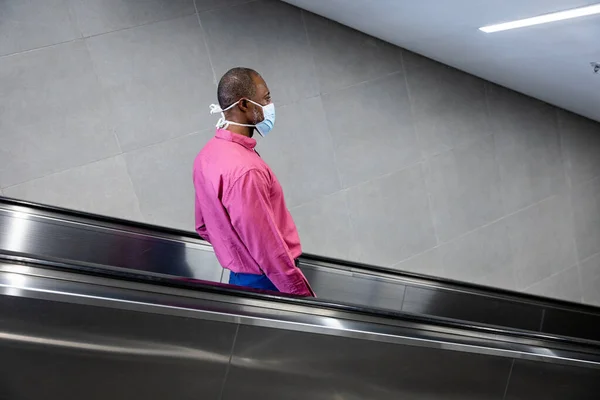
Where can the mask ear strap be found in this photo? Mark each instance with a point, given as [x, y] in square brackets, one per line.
[255, 103]
[215, 109]
[222, 123]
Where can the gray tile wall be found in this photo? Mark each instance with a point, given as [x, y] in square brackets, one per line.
[386, 157]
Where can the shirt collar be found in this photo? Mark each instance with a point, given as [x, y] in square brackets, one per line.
[245, 141]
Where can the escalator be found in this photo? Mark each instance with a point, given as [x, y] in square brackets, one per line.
[97, 308]
[60, 238]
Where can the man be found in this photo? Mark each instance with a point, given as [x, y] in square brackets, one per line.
[240, 208]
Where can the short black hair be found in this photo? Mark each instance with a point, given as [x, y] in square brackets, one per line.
[237, 83]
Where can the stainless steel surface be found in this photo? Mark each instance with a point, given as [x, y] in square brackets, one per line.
[428, 296]
[276, 364]
[355, 288]
[57, 350]
[55, 235]
[70, 336]
[47, 235]
[536, 381]
[568, 323]
[35, 283]
[489, 310]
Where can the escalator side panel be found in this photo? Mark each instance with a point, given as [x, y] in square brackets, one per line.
[486, 310]
[345, 287]
[569, 323]
[181, 345]
[91, 242]
[55, 350]
[539, 381]
[74, 242]
[275, 364]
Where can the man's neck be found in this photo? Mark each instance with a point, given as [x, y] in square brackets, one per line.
[241, 130]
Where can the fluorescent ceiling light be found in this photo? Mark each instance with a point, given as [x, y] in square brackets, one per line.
[544, 19]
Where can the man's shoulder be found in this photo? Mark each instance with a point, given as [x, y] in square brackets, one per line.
[228, 162]
[216, 152]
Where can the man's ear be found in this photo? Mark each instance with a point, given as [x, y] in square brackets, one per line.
[243, 105]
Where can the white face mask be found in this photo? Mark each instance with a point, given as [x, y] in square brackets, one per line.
[263, 127]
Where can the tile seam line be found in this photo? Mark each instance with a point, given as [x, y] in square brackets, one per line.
[381, 77]
[477, 229]
[123, 153]
[206, 46]
[571, 209]
[103, 96]
[314, 67]
[554, 274]
[83, 38]
[222, 7]
[420, 149]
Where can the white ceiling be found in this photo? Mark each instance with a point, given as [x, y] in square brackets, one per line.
[550, 62]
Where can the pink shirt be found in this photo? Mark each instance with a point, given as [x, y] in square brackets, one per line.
[241, 211]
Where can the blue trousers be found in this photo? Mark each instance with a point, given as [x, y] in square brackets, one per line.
[252, 281]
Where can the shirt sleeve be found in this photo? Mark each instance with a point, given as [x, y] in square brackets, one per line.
[200, 225]
[203, 232]
[249, 207]
[199, 218]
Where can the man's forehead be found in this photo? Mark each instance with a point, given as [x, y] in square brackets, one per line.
[262, 89]
[261, 86]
